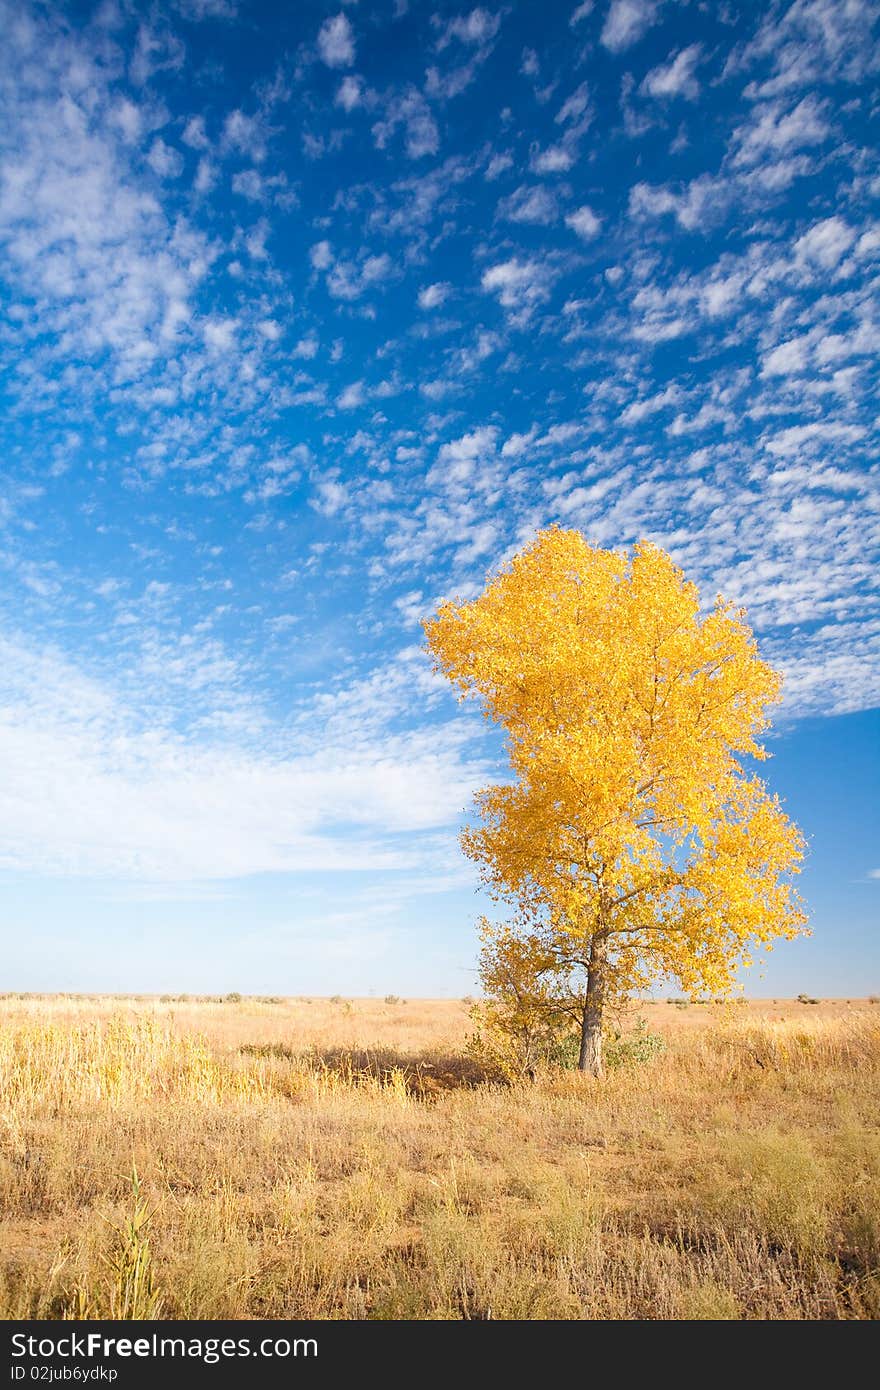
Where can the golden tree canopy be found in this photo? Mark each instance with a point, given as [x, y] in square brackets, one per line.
[631, 819]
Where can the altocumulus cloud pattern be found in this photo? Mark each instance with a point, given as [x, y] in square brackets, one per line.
[314, 312]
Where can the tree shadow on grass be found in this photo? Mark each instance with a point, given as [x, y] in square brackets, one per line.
[420, 1074]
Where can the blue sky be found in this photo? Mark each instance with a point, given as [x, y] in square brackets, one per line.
[311, 315]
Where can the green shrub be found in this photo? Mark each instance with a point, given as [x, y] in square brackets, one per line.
[632, 1049]
[635, 1048]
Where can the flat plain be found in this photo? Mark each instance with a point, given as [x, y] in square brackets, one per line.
[311, 1158]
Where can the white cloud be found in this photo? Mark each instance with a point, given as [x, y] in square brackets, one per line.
[675, 78]
[88, 789]
[518, 444]
[165, 161]
[321, 255]
[155, 50]
[482, 540]
[556, 159]
[696, 207]
[575, 107]
[477, 28]
[798, 439]
[788, 358]
[219, 334]
[246, 134]
[349, 280]
[498, 165]
[535, 205]
[807, 43]
[207, 9]
[626, 22]
[826, 243]
[774, 130]
[352, 397]
[478, 444]
[83, 236]
[194, 134]
[374, 269]
[206, 176]
[330, 496]
[436, 388]
[432, 296]
[467, 463]
[639, 410]
[255, 240]
[249, 184]
[128, 119]
[521, 285]
[584, 222]
[336, 42]
[411, 111]
[349, 94]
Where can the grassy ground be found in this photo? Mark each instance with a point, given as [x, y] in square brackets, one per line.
[344, 1159]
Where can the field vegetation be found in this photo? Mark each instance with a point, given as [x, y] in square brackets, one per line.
[352, 1159]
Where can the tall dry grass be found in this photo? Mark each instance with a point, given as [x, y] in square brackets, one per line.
[348, 1161]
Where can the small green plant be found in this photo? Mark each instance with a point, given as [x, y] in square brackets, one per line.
[391, 999]
[679, 1003]
[635, 1048]
[233, 998]
[621, 1049]
[807, 999]
[133, 1293]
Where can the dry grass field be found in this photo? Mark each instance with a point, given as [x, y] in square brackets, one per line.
[345, 1159]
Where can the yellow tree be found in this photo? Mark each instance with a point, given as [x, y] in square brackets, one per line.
[631, 838]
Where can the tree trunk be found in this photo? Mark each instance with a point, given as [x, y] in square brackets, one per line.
[590, 1058]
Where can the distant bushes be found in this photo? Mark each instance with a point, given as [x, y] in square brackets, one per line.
[234, 997]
